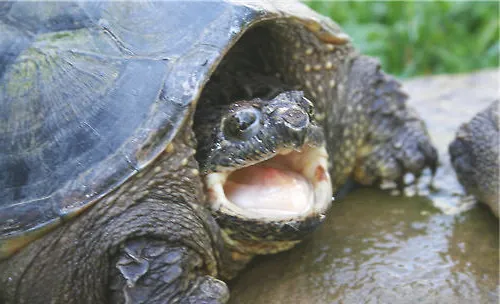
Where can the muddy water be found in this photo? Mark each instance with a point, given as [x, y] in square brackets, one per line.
[433, 246]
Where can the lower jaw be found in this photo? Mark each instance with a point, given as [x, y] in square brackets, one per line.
[251, 237]
[245, 238]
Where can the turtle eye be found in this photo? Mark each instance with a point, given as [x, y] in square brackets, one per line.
[242, 124]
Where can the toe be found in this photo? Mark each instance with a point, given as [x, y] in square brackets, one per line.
[409, 150]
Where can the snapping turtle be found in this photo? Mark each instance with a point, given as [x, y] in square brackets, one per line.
[102, 197]
[474, 154]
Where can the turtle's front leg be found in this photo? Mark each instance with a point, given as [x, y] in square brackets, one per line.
[157, 271]
[392, 139]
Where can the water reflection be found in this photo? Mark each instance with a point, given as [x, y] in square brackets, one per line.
[380, 248]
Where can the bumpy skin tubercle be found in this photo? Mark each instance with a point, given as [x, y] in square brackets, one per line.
[371, 132]
[474, 154]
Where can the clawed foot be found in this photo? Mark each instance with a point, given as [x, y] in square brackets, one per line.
[155, 271]
[397, 143]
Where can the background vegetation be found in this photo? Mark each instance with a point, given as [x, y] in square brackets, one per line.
[414, 38]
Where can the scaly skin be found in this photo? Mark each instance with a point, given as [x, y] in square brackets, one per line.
[372, 134]
[474, 154]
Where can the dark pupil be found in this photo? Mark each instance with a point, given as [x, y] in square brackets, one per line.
[244, 120]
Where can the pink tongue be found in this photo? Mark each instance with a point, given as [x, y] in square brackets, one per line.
[269, 190]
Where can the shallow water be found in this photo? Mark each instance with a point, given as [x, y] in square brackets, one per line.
[433, 247]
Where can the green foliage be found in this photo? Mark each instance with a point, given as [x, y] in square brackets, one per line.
[413, 38]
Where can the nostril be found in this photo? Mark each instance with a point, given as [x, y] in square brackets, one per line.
[296, 118]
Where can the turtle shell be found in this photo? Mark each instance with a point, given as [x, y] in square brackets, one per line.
[91, 93]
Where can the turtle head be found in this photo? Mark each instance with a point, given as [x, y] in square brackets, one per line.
[265, 169]
[246, 133]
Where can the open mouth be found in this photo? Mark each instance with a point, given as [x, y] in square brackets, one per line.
[293, 184]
